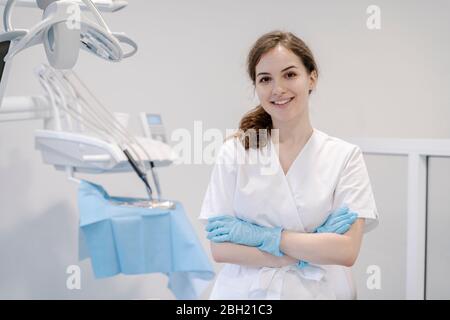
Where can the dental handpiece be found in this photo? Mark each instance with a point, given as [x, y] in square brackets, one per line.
[156, 180]
[140, 174]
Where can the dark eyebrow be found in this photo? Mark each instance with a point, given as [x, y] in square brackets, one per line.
[281, 71]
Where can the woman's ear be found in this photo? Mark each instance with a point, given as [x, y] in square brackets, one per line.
[312, 80]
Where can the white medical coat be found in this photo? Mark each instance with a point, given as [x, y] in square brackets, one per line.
[251, 185]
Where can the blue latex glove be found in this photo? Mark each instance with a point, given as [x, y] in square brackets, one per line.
[338, 222]
[231, 229]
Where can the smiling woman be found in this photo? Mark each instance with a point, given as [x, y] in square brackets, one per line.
[294, 231]
[284, 73]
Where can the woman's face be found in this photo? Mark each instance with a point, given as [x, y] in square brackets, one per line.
[282, 84]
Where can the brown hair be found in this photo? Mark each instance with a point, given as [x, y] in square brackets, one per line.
[258, 119]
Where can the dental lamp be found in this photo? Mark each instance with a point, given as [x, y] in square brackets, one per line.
[63, 31]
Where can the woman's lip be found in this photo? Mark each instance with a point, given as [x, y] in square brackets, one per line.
[283, 105]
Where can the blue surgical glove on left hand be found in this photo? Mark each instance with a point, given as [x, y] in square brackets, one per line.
[231, 229]
[338, 222]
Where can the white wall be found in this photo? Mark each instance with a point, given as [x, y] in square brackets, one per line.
[190, 66]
